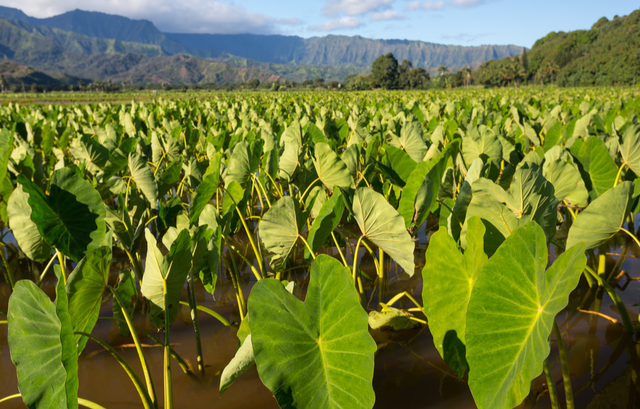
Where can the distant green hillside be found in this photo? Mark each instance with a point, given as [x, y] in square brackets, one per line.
[58, 52]
[101, 25]
[607, 54]
[331, 57]
[333, 50]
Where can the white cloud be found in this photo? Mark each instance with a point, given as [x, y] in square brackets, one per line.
[343, 23]
[354, 7]
[290, 21]
[466, 4]
[387, 15]
[184, 16]
[434, 5]
[465, 37]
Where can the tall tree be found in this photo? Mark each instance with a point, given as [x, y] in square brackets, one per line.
[385, 72]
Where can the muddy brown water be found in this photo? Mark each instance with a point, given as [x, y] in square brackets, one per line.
[409, 372]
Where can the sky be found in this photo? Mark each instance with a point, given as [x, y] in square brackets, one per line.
[461, 22]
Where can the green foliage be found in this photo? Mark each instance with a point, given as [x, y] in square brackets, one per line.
[324, 341]
[43, 347]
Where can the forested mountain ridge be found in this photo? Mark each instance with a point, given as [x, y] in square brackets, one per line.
[606, 54]
[331, 50]
[336, 50]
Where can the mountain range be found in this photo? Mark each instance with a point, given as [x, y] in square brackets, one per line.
[99, 46]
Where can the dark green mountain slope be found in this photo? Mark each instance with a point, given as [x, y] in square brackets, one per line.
[332, 50]
[607, 54]
[55, 52]
[337, 50]
[101, 25]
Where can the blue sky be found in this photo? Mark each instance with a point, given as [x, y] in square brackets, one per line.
[463, 22]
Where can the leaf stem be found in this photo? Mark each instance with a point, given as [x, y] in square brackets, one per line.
[194, 318]
[46, 268]
[631, 235]
[344, 261]
[136, 341]
[308, 246]
[7, 271]
[307, 190]
[617, 180]
[144, 395]
[210, 312]
[551, 385]
[168, 387]
[566, 376]
[61, 260]
[624, 314]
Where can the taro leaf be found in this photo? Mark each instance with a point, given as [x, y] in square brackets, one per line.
[208, 276]
[457, 218]
[630, 148]
[316, 354]
[6, 189]
[553, 136]
[511, 312]
[396, 165]
[164, 277]
[530, 197]
[42, 347]
[600, 169]
[411, 141]
[72, 217]
[449, 278]
[205, 191]
[24, 229]
[6, 146]
[127, 292]
[603, 218]
[239, 167]
[279, 229]
[417, 195]
[169, 177]
[142, 174]
[383, 225]
[331, 170]
[392, 319]
[316, 198]
[567, 182]
[84, 288]
[351, 158]
[242, 360]
[325, 222]
[482, 143]
[91, 151]
[291, 139]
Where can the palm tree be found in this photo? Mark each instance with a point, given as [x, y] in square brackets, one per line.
[466, 75]
[549, 69]
[442, 69]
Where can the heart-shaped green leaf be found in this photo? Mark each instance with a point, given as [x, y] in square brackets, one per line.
[164, 277]
[511, 312]
[24, 229]
[449, 278]
[85, 286]
[72, 217]
[331, 170]
[279, 229]
[143, 176]
[316, 354]
[383, 225]
[603, 218]
[43, 347]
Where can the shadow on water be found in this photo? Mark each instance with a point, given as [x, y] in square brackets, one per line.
[409, 372]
